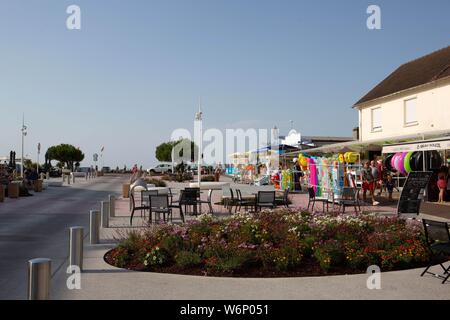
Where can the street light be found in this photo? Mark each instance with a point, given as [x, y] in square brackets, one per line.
[24, 133]
[199, 120]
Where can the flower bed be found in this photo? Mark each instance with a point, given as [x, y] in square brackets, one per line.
[274, 243]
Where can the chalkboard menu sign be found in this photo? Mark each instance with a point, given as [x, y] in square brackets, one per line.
[413, 190]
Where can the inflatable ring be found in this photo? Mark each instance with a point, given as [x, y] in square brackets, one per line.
[341, 158]
[387, 162]
[399, 163]
[407, 162]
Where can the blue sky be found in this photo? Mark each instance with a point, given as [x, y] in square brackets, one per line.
[136, 69]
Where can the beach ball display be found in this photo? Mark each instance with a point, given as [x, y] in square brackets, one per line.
[351, 157]
[303, 161]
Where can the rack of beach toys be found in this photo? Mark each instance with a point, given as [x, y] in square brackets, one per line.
[328, 176]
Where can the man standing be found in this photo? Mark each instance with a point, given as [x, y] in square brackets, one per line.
[368, 183]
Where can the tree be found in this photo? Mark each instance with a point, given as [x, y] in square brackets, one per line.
[164, 150]
[66, 154]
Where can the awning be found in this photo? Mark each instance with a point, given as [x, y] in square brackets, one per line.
[424, 145]
[376, 144]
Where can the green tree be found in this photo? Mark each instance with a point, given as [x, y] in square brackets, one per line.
[164, 150]
[66, 154]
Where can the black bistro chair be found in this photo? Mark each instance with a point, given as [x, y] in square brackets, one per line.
[208, 201]
[349, 198]
[283, 201]
[134, 207]
[243, 202]
[438, 240]
[265, 199]
[160, 204]
[312, 199]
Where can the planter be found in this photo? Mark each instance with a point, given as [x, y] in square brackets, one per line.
[13, 190]
[37, 186]
[126, 190]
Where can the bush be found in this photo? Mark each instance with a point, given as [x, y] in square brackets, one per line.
[155, 257]
[276, 241]
[186, 259]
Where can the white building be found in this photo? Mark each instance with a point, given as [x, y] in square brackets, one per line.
[413, 100]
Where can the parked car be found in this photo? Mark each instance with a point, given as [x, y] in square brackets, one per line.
[194, 169]
[164, 167]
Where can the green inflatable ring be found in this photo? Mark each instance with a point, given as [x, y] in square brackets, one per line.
[407, 162]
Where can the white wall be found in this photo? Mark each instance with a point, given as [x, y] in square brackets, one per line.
[433, 112]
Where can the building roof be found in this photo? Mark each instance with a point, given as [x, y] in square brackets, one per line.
[426, 69]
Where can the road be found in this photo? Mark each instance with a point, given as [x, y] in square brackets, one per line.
[37, 226]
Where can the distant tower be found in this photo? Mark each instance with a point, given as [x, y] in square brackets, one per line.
[275, 136]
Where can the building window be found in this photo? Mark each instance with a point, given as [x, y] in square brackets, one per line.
[376, 119]
[410, 112]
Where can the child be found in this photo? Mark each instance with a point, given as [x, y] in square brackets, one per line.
[390, 186]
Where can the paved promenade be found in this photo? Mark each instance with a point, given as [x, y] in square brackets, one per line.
[37, 227]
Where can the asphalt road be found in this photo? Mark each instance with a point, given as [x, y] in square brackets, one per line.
[37, 226]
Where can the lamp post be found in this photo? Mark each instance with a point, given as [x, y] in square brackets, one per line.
[199, 124]
[24, 133]
[39, 152]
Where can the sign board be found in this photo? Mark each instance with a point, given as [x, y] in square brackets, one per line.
[412, 192]
[429, 145]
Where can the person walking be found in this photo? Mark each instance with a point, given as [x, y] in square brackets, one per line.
[368, 183]
[442, 183]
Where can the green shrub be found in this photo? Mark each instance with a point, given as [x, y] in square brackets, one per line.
[186, 259]
[329, 254]
[155, 257]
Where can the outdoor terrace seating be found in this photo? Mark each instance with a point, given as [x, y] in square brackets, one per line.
[438, 240]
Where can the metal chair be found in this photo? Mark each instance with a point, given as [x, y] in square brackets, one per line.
[438, 241]
[265, 199]
[191, 198]
[242, 202]
[208, 201]
[283, 201]
[349, 198]
[134, 207]
[160, 204]
[229, 201]
[145, 194]
[312, 199]
[179, 204]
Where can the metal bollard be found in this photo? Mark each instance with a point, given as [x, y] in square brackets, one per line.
[73, 178]
[105, 214]
[112, 205]
[94, 226]
[39, 275]
[76, 235]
